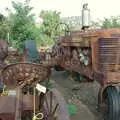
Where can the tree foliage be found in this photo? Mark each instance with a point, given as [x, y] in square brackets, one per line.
[51, 20]
[51, 27]
[112, 22]
[3, 27]
[74, 22]
[21, 24]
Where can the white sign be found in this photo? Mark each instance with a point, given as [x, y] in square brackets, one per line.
[11, 93]
[41, 88]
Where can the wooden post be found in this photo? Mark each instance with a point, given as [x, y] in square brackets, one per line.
[18, 104]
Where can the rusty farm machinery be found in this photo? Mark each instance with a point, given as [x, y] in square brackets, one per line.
[22, 97]
[87, 54]
[93, 55]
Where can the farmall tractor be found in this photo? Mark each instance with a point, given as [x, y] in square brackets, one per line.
[93, 55]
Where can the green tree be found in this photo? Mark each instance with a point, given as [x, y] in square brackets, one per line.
[73, 22]
[21, 24]
[4, 28]
[51, 19]
[42, 38]
[49, 28]
[112, 22]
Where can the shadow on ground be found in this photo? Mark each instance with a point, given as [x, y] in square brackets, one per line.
[82, 95]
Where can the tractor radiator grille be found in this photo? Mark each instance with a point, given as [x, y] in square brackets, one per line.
[109, 54]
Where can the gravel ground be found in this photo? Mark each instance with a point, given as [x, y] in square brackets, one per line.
[82, 95]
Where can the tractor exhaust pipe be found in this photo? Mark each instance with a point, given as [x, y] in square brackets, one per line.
[85, 17]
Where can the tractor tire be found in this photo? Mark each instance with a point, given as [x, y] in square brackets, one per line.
[112, 103]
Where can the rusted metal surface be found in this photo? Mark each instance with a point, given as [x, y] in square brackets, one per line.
[13, 106]
[108, 64]
[21, 77]
[107, 33]
[109, 54]
[7, 104]
[5, 116]
[71, 58]
[89, 39]
[78, 52]
[21, 74]
[84, 38]
[51, 105]
[94, 53]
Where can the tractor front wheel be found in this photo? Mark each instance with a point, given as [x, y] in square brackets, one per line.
[111, 104]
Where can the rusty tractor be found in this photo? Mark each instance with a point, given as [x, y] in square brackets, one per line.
[88, 54]
[93, 55]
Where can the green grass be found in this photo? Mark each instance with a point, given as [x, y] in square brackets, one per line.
[47, 84]
[72, 109]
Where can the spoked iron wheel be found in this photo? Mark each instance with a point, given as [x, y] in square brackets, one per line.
[52, 107]
[111, 104]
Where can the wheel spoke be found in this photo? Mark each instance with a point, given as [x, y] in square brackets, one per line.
[48, 106]
[42, 97]
[51, 100]
[46, 102]
[55, 109]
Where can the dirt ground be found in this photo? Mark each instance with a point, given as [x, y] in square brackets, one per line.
[81, 95]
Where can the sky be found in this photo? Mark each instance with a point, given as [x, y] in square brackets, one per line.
[99, 8]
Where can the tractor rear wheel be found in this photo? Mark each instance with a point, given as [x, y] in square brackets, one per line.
[111, 104]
